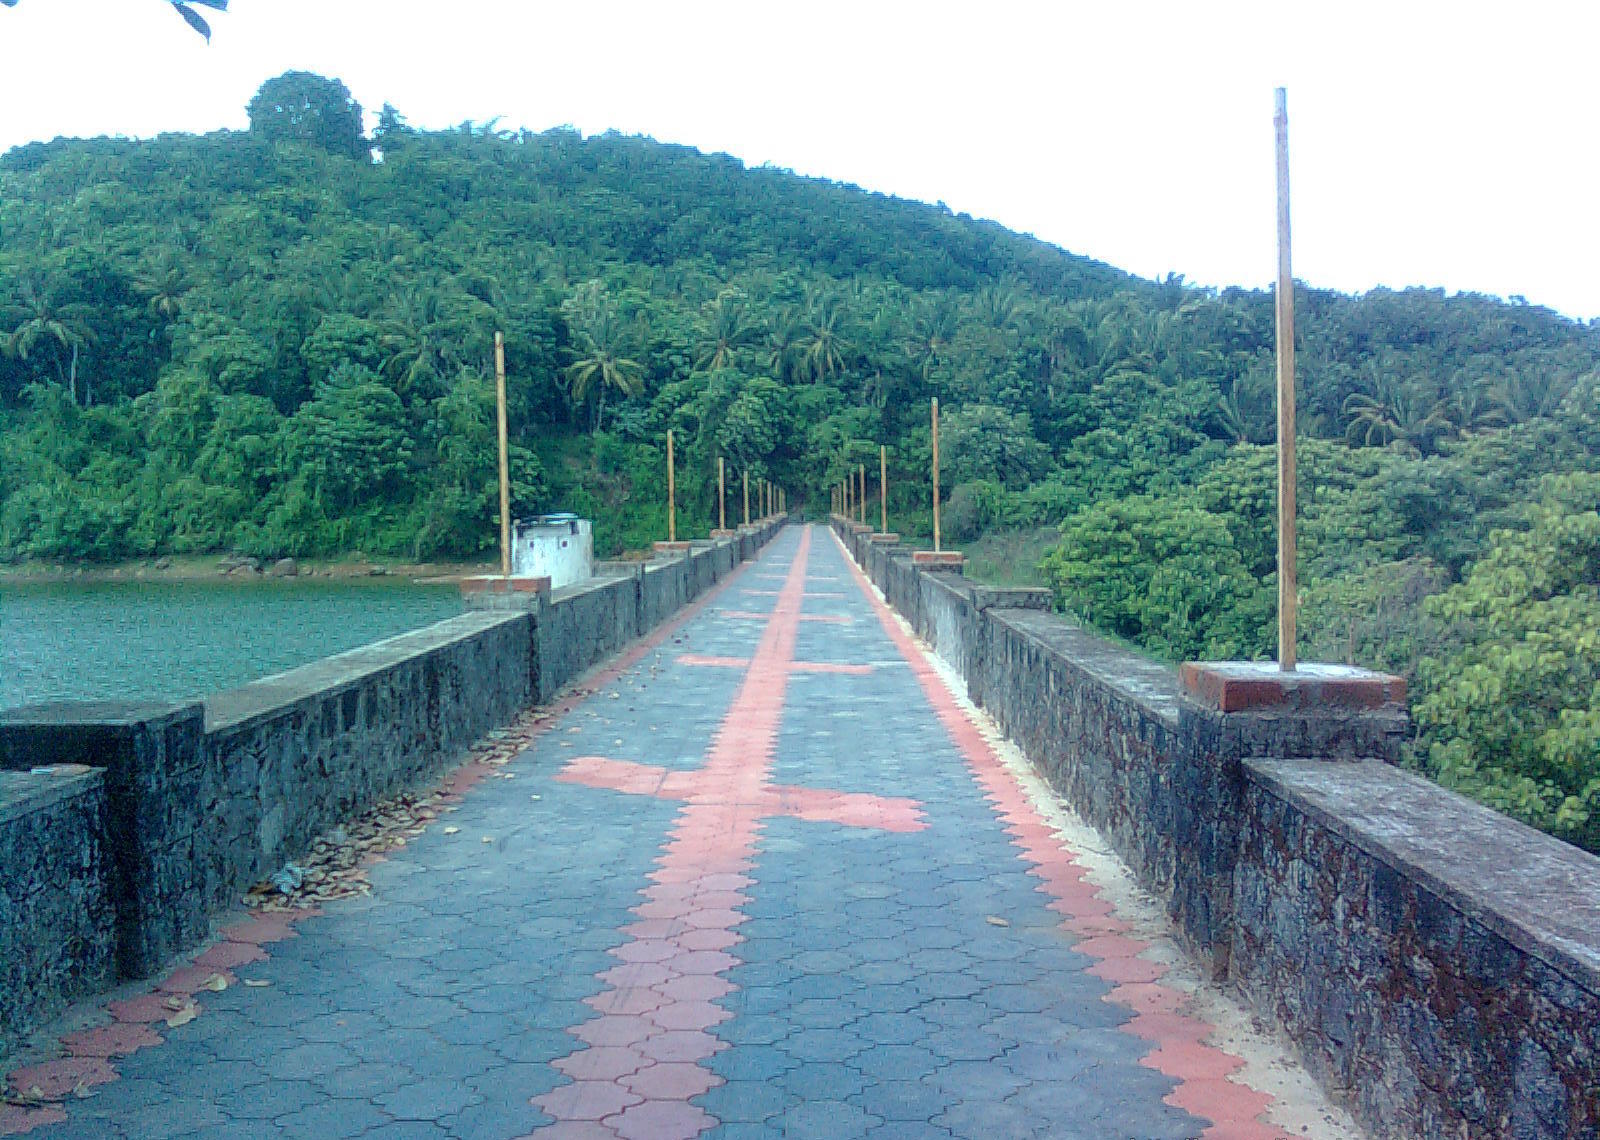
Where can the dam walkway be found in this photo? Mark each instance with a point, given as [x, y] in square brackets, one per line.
[765, 876]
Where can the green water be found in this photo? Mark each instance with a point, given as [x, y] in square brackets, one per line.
[177, 640]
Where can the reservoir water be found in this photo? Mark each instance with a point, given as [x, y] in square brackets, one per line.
[178, 640]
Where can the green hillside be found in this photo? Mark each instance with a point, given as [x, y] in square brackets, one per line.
[277, 342]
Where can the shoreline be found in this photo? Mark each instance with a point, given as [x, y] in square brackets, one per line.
[224, 569]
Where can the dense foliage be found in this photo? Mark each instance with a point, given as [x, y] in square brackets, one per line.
[279, 341]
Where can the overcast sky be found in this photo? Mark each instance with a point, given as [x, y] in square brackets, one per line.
[1444, 144]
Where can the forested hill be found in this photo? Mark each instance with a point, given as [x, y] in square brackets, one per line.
[278, 341]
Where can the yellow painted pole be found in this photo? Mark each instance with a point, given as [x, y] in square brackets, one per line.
[505, 465]
[1287, 570]
[883, 490]
[672, 494]
[936, 474]
[747, 498]
[722, 495]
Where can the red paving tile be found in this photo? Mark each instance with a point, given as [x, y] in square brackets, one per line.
[671, 1080]
[681, 1045]
[603, 1063]
[141, 1010]
[53, 1080]
[15, 1120]
[586, 1100]
[114, 1040]
[227, 955]
[1191, 1061]
[661, 1120]
[615, 1029]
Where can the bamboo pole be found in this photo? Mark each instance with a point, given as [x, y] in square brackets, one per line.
[1287, 569]
[672, 494]
[883, 490]
[936, 474]
[505, 463]
[747, 497]
[722, 495]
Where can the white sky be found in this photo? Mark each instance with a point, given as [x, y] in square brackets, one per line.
[1432, 143]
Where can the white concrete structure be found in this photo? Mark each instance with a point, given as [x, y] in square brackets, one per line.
[558, 547]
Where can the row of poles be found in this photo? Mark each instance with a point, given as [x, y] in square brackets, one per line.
[771, 499]
[850, 496]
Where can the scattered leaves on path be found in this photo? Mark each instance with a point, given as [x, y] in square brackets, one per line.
[336, 867]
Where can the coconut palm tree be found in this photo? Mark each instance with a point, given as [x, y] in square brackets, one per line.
[822, 343]
[933, 328]
[1396, 414]
[599, 341]
[48, 328]
[724, 327]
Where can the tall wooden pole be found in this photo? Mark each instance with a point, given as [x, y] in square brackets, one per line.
[936, 474]
[861, 472]
[672, 494]
[747, 497]
[722, 495]
[883, 490]
[505, 463]
[1287, 571]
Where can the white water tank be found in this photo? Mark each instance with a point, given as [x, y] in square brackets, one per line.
[558, 547]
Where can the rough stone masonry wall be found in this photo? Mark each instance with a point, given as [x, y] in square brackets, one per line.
[201, 800]
[1437, 965]
[57, 936]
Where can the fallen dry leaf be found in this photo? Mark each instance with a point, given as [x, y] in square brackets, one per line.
[257, 983]
[451, 830]
[184, 1016]
[216, 983]
[996, 920]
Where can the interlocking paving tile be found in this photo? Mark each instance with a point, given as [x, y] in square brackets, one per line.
[761, 883]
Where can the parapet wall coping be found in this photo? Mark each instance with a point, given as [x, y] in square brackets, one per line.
[1146, 682]
[25, 792]
[266, 696]
[586, 586]
[1540, 894]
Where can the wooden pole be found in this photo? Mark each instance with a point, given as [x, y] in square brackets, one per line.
[861, 500]
[747, 497]
[883, 490]
[936, 474]
[849, 498]
[722, 495]
[672, 494]
[1287, 571]
[505, 462]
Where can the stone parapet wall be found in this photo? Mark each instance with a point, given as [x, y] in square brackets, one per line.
[1436, 964]
[57, 926]
[187, 805]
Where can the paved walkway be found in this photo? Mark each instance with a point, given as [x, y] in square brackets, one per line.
[767, 881]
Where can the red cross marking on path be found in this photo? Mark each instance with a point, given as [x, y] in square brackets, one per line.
[642, 1065]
